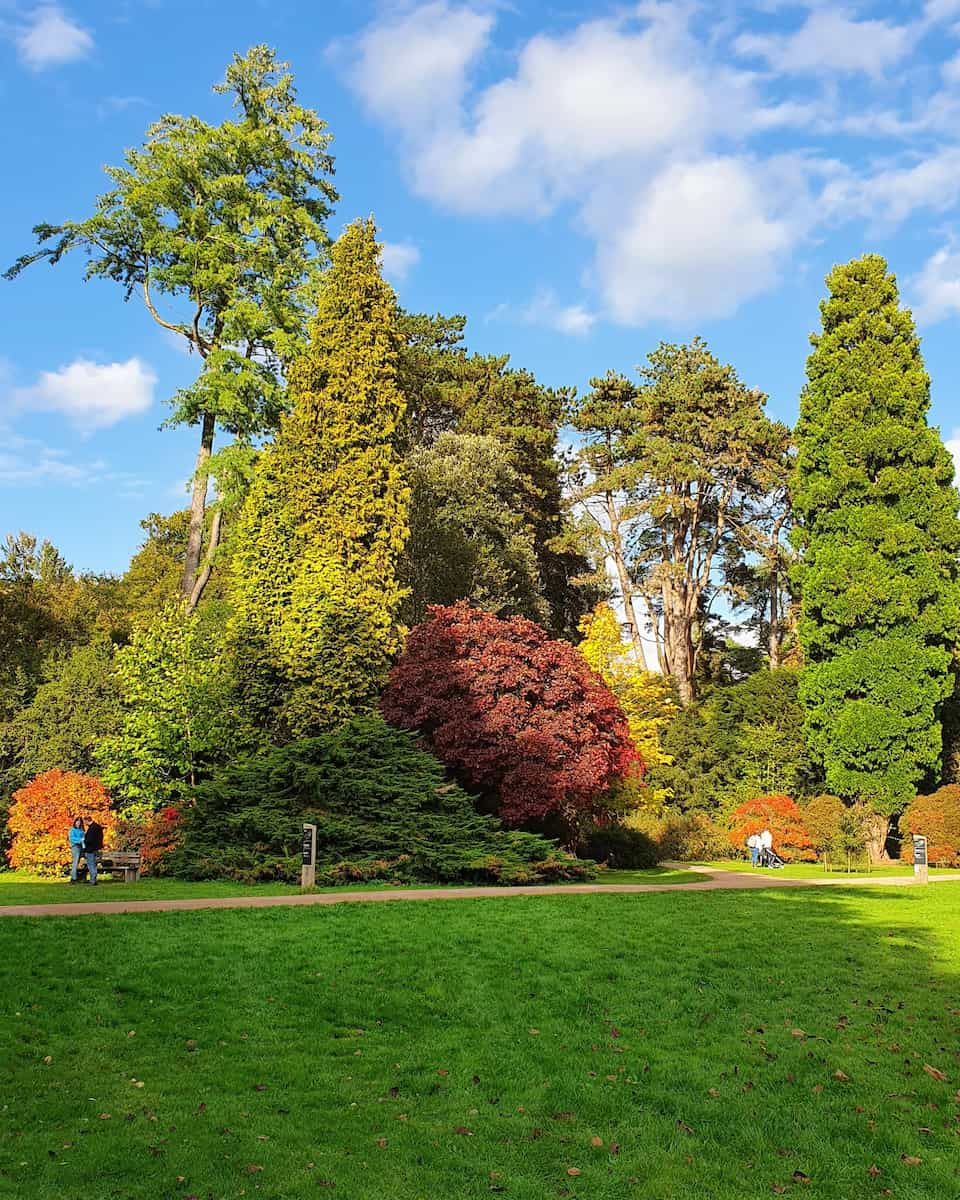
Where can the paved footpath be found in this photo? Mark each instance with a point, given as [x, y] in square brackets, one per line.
[712, 881]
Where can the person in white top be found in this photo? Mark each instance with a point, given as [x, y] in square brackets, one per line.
[753, 842]
[766, 843]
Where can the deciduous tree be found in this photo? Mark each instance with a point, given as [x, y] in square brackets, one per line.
[221, 231]
[41, 815]
[517, 715]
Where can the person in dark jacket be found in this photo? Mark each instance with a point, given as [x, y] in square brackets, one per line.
[92, 845]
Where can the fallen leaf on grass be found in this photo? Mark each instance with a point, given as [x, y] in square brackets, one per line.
[911, 1160]
[325, 1183]
[252, 1169]
[874, 1171]
[382, 1143]
[596, 1141]
[259, 1087]
[181, 1179]
[797, 1033]
[934, 1073]
[48, 1059]
[533, 1032]
[104, 1116]
[574, 1171]
[841, 1077]
[778, 1189]
[800, 1177]
[262, 1137]
[463, 1131]
[442, 1071]
[713, 1093]
[684, 1127]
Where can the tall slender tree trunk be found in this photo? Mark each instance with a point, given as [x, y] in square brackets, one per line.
[198, 508]
[774, 635]
[678, 644]
[623, 576]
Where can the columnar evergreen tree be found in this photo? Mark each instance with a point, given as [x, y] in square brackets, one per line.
[315, 587]
[878, 530]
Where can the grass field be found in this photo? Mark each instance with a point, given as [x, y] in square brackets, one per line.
[661, 1046]
[16, 887]
[818, 870]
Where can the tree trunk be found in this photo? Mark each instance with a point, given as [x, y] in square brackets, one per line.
[623, 576]
[876, 828]
[774, 638]
[203, 578]
[678, 645]
[198, 506]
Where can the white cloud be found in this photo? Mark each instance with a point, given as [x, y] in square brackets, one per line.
[698, 241]
[654, 139]
[546, 311]
[412, 66]
[398, 259]
[828, 41]
[50, 38]
[93, 395]
[892, 193]
[937, 286]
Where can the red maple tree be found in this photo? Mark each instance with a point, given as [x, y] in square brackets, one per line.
[515, 714]
[783, 817]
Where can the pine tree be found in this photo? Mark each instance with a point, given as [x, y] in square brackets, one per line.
[878, 530]
[315, 579]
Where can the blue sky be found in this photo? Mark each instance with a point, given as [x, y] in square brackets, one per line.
[580, 180]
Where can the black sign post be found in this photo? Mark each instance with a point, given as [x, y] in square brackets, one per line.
[919, 859]
[308, 869]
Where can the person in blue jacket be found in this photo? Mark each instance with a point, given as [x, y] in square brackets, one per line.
[76, 847]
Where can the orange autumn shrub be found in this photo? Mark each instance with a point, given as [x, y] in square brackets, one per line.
[937, 818]
[41, 815]
[783, 817]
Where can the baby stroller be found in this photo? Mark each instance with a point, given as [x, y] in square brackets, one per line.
[770, 858]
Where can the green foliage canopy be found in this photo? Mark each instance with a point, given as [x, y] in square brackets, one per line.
[879, 535]
[383, 810]
[315, 584]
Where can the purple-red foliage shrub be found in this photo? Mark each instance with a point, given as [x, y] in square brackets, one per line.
[518, 716]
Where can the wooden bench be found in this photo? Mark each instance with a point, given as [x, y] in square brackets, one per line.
[116, 862]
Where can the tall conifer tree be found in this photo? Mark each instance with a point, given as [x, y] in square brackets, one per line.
[878, 530]
[315, 578]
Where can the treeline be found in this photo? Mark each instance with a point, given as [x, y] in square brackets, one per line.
[799, 589]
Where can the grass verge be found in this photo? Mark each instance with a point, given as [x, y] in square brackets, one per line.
[19, 888]
[726, 1044]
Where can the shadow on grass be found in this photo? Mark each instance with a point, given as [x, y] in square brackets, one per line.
[724, 1044]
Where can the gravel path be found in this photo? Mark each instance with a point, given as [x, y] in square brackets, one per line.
[712, 881]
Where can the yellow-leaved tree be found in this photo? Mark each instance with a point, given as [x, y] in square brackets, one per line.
[314, 583]
[646, 697]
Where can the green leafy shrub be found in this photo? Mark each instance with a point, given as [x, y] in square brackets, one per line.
[682, 837]
[383, 810]
[619, 846]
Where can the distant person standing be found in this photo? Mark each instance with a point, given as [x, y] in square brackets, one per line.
[766, 847]
[92, 845]
[76, 847]
[753, 843]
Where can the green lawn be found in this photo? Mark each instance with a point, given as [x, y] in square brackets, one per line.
[16, 887]
[665, 1046]
[816, 870]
